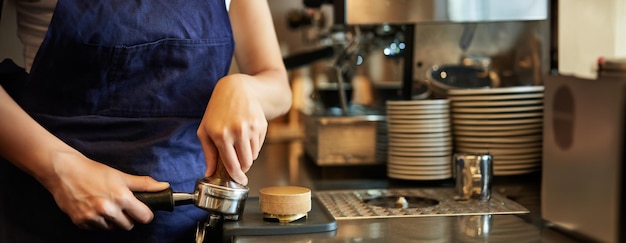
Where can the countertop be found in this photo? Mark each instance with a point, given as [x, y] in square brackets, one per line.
[284, 163]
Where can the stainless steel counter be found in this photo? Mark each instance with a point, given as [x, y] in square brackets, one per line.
[283, 163]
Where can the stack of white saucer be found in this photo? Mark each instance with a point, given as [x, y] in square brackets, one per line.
[505, 122]
[419, 139]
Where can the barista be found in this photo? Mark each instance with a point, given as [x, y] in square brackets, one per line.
[125, 96]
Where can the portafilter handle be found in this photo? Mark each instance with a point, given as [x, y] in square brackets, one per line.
[164, 200]
[167, 199]
[216, 194]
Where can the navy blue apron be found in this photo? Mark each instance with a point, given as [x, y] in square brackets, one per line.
[125, 82]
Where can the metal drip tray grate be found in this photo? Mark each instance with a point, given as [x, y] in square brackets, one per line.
[355, 204]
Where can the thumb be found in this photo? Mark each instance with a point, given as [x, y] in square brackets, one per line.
[144, 184]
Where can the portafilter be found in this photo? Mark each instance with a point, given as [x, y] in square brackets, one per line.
[217, 194]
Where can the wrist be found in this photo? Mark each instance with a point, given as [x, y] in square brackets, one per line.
[53, 165]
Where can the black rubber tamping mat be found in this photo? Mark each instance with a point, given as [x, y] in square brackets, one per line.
[319, 219]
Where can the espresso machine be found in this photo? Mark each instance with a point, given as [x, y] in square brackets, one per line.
[342, 132]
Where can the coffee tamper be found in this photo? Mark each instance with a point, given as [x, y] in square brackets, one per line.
[218, 194]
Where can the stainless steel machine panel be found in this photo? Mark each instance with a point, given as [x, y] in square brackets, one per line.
[583, 156]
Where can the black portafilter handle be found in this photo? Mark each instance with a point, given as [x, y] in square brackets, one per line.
[304, 58]
[164, 200]
[316, 3]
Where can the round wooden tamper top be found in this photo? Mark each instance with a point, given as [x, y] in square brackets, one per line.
[285, 201]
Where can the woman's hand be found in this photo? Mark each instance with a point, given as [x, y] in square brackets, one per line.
[235, 122]
[96, 196]
[233, 127]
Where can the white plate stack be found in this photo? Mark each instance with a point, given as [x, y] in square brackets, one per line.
[505, 122]
[419, 139]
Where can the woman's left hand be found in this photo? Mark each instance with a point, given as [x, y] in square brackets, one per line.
[233, 127]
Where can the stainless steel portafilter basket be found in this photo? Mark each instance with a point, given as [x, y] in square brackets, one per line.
[217, 194]
[220, 194]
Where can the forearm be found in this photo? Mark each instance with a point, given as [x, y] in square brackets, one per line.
[25, 143]
[274, 92]
[269, 88]
[258, 55]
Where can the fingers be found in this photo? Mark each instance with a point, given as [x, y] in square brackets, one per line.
[96, 196]
[119, 209]
[95, 224]
[229, 158]
[210, 153]
[239, 157]
[232, 165]
[237, 146]
[121, 212]
[257, 144]
[124, 216]
[134, 209]
[144, 183]
[245, 156]
[91, 221]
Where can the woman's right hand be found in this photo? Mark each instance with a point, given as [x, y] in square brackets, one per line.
[96, 196]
